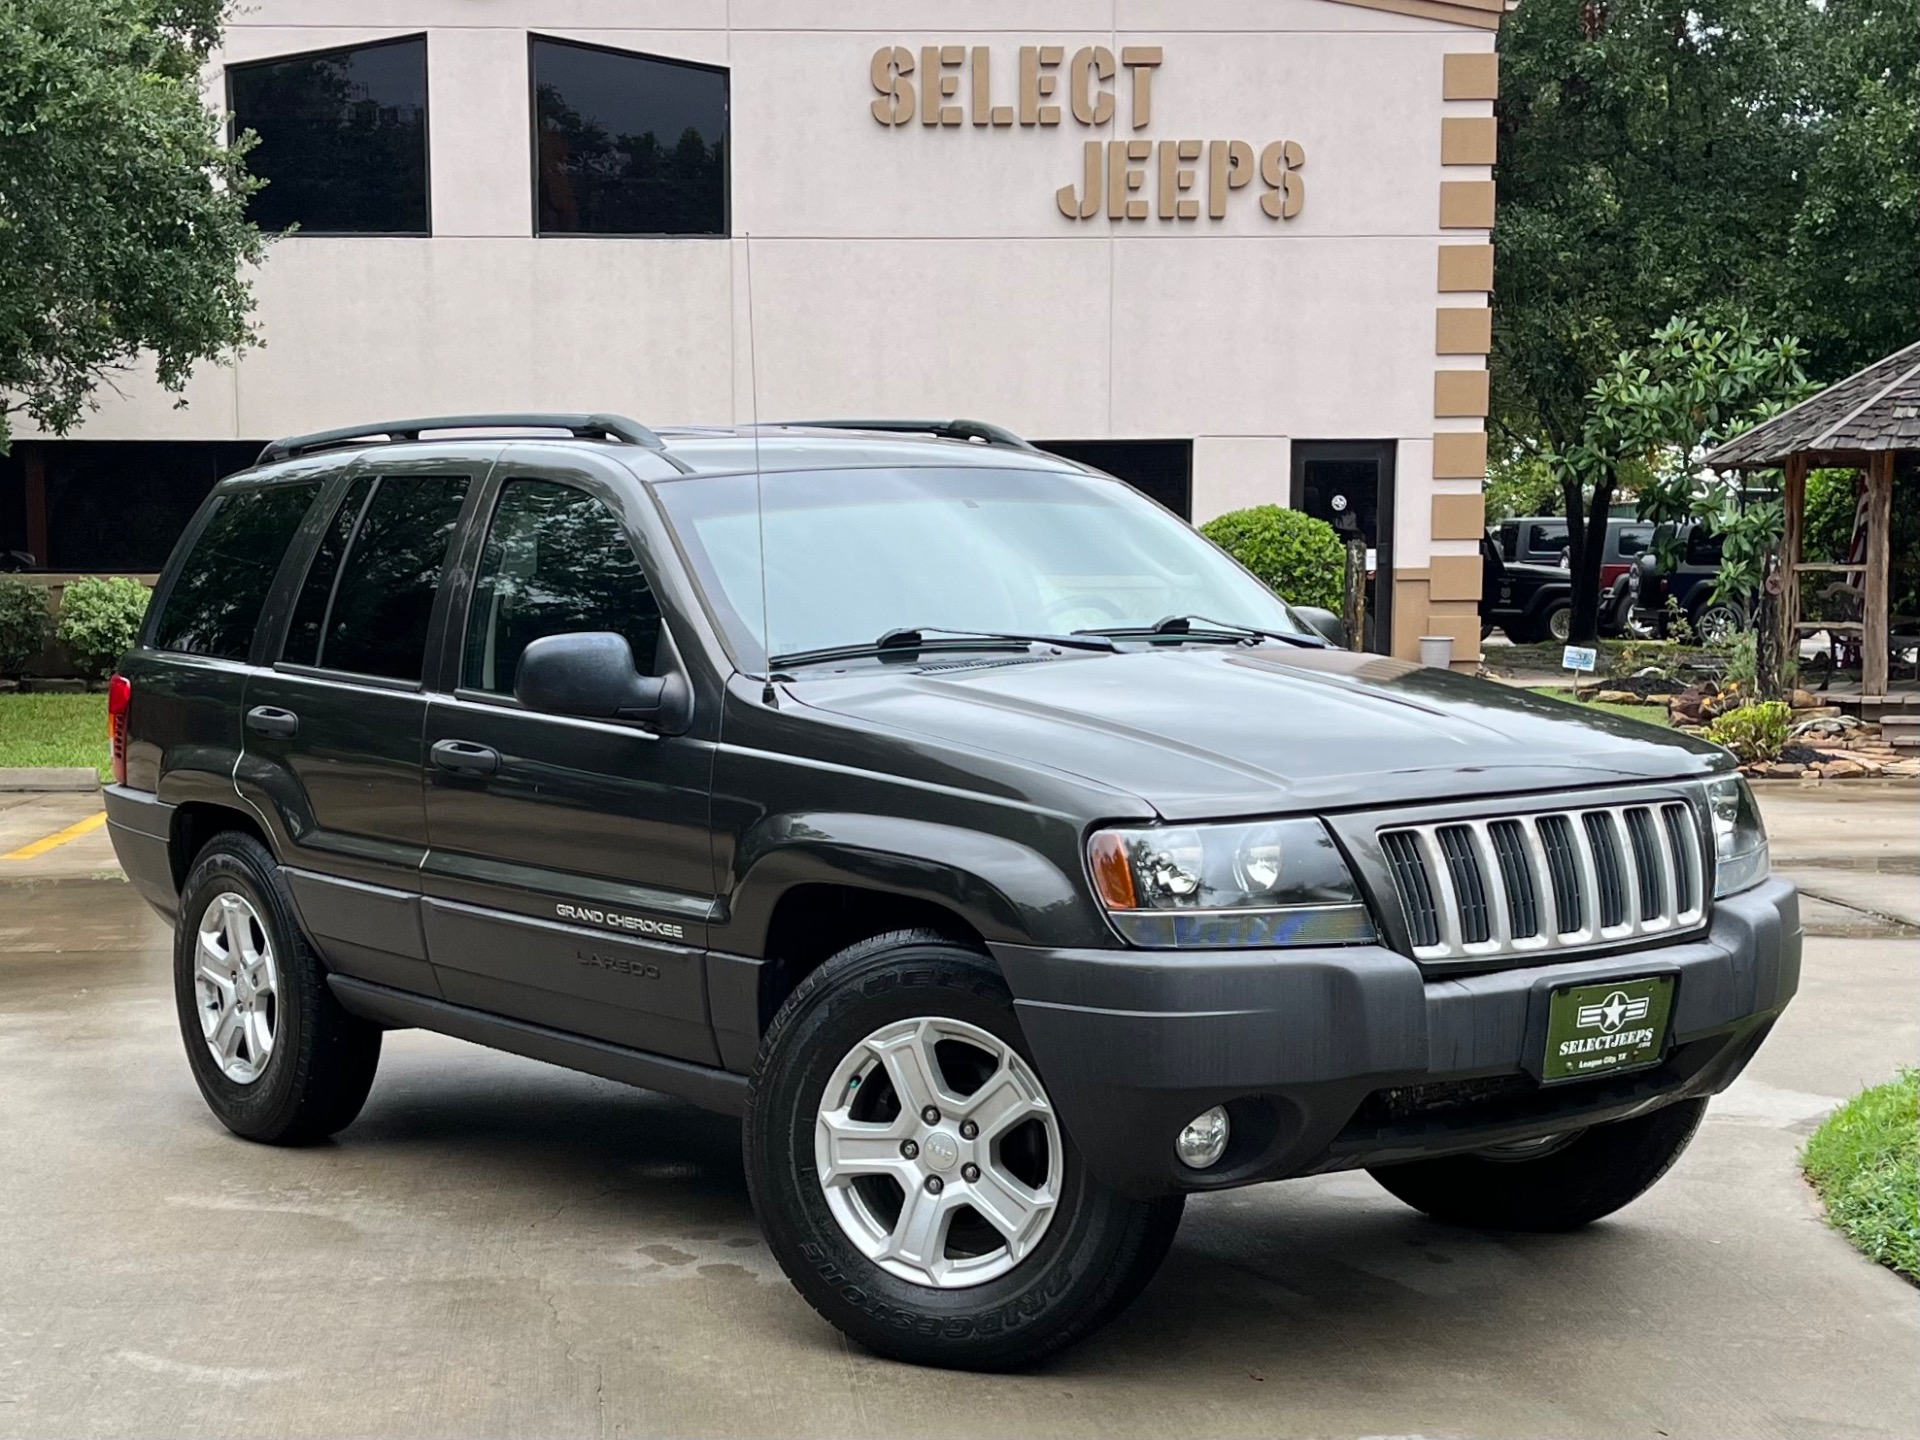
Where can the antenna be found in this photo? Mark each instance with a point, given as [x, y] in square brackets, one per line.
[768, 695]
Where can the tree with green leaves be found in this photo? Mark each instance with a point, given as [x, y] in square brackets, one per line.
[123, 228]
[1719, 158]
[1649, 418]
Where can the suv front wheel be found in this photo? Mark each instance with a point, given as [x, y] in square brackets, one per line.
[912, 1176]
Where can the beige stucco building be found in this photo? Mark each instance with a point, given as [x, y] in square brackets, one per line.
[1246, 238]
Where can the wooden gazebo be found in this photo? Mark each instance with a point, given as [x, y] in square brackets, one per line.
[1870, 422]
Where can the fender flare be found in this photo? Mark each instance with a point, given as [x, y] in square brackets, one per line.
[1008, 892]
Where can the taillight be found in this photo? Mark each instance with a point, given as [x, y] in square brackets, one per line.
[119, 701]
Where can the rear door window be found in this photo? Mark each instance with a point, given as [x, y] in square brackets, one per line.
[215, 601]
[556, 560]
[368, 596]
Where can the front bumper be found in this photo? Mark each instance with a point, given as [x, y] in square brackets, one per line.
[1340, 1057]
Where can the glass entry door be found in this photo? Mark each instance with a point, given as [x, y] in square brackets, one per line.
[1349, 484]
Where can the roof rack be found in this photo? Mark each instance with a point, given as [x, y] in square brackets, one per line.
[585, 427]
[978, 431]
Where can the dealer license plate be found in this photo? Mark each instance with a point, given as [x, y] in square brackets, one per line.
[1600, 1029]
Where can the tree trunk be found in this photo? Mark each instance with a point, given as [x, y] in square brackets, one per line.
[1355, 607]
[1586, 548]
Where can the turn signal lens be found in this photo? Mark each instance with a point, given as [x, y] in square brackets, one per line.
[119, 701]
[1112, 875]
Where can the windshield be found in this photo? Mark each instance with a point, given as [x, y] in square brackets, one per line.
[853, 554]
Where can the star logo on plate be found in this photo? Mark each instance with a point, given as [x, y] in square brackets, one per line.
[1613, 1012]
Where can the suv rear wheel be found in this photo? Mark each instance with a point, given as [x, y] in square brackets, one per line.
[1560, 1183]
[912, 1176]
[275, 1056]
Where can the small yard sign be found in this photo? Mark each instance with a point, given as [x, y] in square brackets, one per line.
[1579, 657]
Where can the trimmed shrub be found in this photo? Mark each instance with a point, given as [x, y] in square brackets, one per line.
[1300, 558]
[1754, 733]
[23, 623]
[100, 621]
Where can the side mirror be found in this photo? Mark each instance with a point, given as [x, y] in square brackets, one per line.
[590, 673]
[1647, 562]
[1329, 626]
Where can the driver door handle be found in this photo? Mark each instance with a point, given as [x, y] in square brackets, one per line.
[270, 720]
[463, 757]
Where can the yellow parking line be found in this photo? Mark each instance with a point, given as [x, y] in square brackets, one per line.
[59, 837]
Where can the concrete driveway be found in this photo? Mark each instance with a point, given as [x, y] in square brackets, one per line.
[497, 1247]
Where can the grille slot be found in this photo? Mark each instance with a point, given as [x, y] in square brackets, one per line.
[1556, 835]
[1410, 879]
[1463, 870]
[1606, 867]
[1556, 882]
[1516, 878]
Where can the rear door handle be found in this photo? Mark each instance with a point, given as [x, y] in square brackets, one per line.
[268, 720]
[463, 757]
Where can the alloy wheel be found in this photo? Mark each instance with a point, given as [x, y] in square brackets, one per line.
[938, 1152]
[237, 984]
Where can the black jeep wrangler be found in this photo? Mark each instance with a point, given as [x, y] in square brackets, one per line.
[1014, 863]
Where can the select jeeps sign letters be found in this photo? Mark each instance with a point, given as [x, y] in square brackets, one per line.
[1115, 173]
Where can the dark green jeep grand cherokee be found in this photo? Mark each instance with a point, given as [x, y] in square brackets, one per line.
[1010, 859]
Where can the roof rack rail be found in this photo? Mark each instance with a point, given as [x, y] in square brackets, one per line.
[975, 430]
[616, 427]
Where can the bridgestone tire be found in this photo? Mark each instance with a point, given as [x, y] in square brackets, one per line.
[1098, 1252]
[1606, 1168]
[322, 1061]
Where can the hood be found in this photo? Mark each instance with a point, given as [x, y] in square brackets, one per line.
[1216, 732]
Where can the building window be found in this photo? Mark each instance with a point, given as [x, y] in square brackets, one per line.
[343, 138]
[1159, 469]
[627, 144]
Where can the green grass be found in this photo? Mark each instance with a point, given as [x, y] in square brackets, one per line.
[1863, 1162]
[1648, 714]
[54, 730]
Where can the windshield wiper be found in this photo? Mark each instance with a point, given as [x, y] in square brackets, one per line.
[914, 638]
[1225, 629]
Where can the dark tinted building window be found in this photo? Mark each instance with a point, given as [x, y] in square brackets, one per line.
[1160, 469]
[627, 144]
[556, 560]
[215, 603]
[343, 138]
[373, 608]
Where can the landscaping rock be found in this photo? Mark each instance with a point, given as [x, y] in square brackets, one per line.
[1776, 770]
[1617, 697]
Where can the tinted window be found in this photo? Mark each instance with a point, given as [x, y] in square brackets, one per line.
[215, 603]
[343, 138]
[1546, 537]
[302, 646]
[374, 621]
[1632, 542]
[628, 144]
[556, 560]
[1703, 546]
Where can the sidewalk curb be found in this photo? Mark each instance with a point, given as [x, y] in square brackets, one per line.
[59, 779]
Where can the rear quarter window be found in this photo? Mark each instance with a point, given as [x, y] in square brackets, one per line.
[215, 601]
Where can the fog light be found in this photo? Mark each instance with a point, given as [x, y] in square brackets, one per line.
[1204, 1140]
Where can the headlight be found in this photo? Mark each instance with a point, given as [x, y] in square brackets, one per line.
[1191, 887]
[1739, 839]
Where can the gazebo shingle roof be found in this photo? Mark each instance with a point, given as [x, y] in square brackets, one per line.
[1876, 410]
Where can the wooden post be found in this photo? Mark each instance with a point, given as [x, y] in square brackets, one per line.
[1355, 615]
[1878, 596]
[1769, 665]
[1786, 616]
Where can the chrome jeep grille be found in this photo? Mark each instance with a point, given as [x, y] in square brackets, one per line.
[1556, 881]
